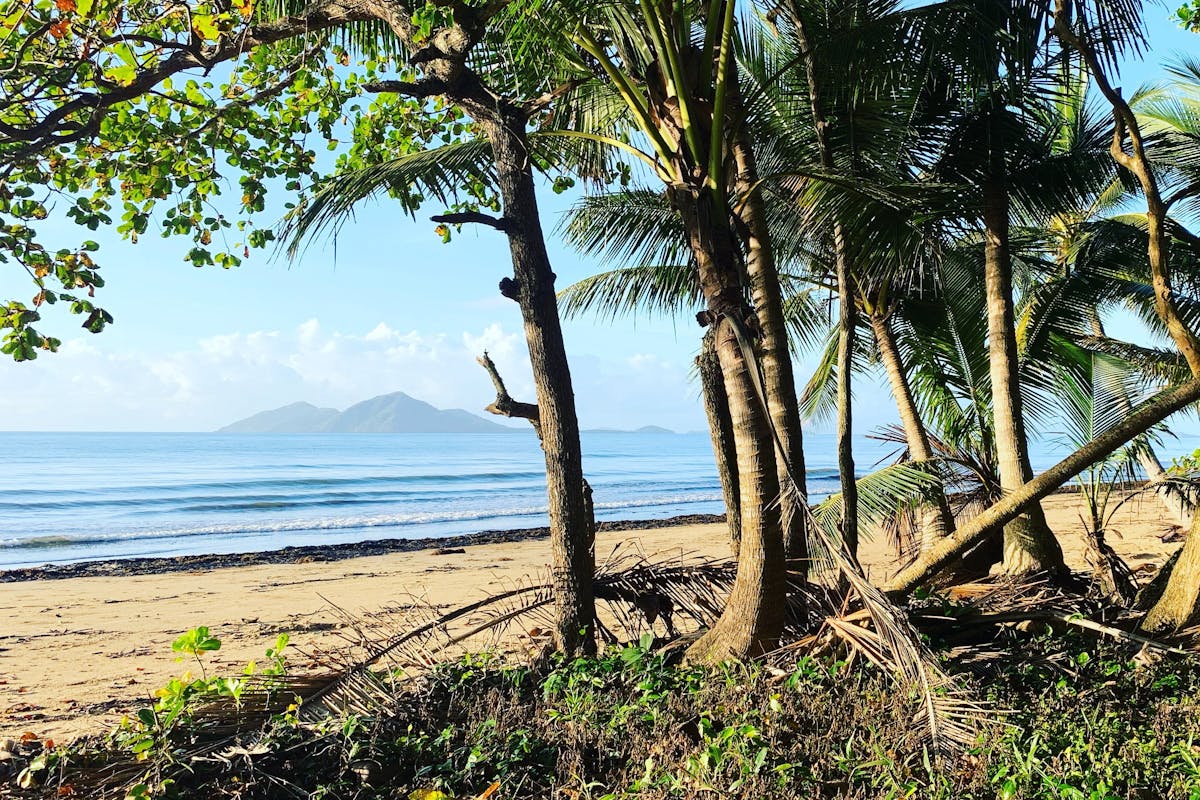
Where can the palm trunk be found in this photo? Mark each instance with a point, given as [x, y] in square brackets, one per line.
[776, 360]
[720, 426]
[846, 309]
[1029, 546]
[571, 537]
[940, 522]
[754, 612]
[1178, 507]
[845, 423]
[1180, 601]
[1013, 504]
[753, 617]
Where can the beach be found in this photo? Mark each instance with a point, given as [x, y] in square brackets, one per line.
[78, 652]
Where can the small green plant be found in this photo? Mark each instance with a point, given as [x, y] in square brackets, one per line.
[150, 734]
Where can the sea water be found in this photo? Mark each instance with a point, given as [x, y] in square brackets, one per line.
[79, 496]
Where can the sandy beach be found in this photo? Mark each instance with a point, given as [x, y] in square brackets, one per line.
[76, 653]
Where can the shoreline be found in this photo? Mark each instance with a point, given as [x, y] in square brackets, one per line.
[79, 652]
[308, 553]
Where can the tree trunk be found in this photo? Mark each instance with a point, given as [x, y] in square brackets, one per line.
[846, 308]
[753, 616]
[1178, 604]
[571, 538]
[1142, 419]
[940, 522]
[845, 423]
[1178, 507]
[776, 358]
[1029, 546]
[720, 426]
[1180, 601]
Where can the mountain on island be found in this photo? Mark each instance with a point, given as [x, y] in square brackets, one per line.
[388, 413]
[643, 429]
[294, 418]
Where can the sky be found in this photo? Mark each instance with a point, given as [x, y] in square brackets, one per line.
[390, 308]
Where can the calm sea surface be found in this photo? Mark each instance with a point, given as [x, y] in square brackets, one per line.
[73, 497]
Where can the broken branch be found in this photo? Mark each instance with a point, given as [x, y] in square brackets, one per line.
[505, 405]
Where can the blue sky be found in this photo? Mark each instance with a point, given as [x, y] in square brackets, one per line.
[392, 308]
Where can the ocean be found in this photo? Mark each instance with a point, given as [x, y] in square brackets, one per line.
[67, 497]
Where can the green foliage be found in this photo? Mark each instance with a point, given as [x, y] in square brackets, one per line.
[108, 123]
[1082, 722]
[1189, 16]
[156, 737]
[155, 733]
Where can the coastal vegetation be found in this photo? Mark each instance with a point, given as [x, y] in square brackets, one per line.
[957, 193]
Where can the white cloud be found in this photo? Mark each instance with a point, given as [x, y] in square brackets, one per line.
[88, 385]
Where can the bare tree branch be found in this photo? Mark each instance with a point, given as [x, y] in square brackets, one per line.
[505, 405]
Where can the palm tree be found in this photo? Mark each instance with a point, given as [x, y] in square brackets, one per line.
[676, 92]
[990, 140]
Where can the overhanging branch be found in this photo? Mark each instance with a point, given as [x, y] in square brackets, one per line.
[499, 223]
[428, 87]
[79, 117]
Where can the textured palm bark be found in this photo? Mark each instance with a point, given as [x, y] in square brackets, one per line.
[1177, 606]
[845, 420]
[1029, 545]
[571, 536]
[720, 426]
[1013, 504]
[776, 359]
[940, 520]
[752, 619]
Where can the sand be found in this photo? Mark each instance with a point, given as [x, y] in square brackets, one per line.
[78, 653]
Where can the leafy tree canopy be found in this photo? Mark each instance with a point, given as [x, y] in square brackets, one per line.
[140, 116]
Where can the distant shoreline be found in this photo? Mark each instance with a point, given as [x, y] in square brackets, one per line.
[159, 565]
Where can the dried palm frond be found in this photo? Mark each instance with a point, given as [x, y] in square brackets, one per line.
[634, 594]
[947, 714]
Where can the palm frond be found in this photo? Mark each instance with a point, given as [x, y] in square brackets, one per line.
[668, 289]
[440, 173]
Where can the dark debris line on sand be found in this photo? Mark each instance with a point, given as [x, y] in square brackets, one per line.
[317, 552]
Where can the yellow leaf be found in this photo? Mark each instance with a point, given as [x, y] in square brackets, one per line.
[428, 794]
[205, 27]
